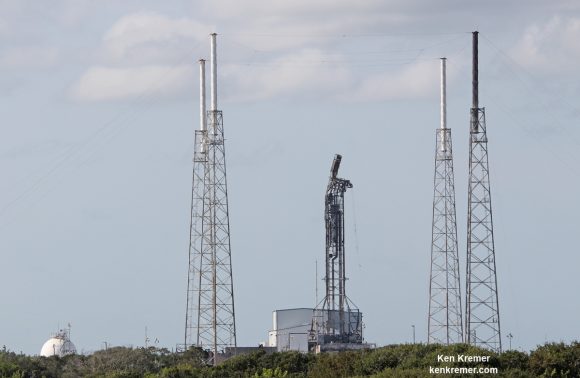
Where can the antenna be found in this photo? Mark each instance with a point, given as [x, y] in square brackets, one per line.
[210, 315]
[482, 304]
[445, 320]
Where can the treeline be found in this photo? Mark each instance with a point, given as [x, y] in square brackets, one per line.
[408, 360]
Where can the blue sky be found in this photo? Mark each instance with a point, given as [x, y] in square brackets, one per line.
[99, 105]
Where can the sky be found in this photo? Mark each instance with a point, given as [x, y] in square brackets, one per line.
[99, 103]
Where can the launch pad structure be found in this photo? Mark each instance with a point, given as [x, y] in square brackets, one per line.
[336, 322]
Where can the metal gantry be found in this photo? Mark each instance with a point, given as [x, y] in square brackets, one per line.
[445, 325]
[336, 319]
[482, 307]
[210, 316]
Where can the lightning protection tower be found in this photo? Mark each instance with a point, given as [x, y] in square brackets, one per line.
[445, 325]
[336, 319]
[482, 308]
[210, 316]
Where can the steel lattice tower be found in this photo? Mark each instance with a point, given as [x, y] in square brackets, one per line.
[210, 316]
[482, 307]
[336, 319]
[445, 325]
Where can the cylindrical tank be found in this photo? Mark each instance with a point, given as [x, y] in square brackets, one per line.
[58, 345]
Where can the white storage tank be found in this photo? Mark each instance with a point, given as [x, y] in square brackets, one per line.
[58, 345]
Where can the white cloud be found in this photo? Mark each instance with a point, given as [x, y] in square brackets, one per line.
[417, 80]
[310, 75]
[142, 54]
[106, 83]
[552, 47]
[303, 73]
[277, 25]
[302, 56]
[147, 36]
[264, 9]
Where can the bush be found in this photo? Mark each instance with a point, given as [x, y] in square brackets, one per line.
[556, 360]
[399, 361]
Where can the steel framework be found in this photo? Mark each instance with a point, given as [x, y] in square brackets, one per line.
[210, 315]
[336, 319]
[445, 324]
[482, 307]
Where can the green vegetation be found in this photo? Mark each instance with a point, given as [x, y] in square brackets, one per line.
[408, 360]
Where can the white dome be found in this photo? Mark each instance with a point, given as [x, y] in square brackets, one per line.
[58, 345]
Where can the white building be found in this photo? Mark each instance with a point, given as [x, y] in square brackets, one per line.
[290, 329]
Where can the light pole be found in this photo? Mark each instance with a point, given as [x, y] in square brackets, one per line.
[510, 337]
[413, 326]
